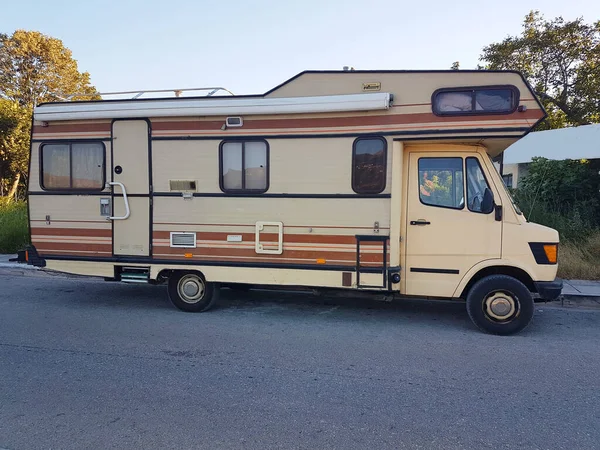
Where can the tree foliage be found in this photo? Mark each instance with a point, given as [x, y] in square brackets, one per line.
[562, 194]
[34, 68]
[15, 125]
[561, 59]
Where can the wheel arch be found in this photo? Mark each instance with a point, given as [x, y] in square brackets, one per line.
[493, 268]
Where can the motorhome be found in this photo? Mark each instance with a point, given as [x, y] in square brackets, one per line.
[374, 181]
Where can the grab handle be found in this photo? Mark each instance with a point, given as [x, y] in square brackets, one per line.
[127, 212]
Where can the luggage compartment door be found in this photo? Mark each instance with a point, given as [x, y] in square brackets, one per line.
[131, 192]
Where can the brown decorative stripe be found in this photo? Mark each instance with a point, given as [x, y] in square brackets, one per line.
[72, 128]
[314, 255]
[354, 121]
[175, 224]
[65, 246]
[250, 237]
[89, 232]
[298, 123]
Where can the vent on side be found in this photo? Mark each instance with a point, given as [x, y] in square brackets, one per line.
[182, 185]
[185, 240]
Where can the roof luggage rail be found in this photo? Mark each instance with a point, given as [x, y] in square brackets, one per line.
[140, 93]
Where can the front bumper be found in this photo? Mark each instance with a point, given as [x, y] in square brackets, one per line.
[549, 290]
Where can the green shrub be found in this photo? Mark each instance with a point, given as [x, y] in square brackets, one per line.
[14, 231]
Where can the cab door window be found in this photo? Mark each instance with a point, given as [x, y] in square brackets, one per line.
[476, 185]
[441, 182]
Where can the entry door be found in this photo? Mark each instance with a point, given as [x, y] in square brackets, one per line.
[447, 233]
[130, 168]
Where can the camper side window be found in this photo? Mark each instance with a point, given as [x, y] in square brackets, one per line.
[475, 100]
[244, 166]
[72, 166]
[369, 165]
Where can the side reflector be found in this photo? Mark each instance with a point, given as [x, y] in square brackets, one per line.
[27, 255]
[551, 251]
[321, 261]
[188, 255]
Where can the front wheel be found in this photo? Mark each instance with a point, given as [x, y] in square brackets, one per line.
[190, 292]
[500, 304]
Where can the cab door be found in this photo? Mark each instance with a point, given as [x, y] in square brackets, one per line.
[447, 232]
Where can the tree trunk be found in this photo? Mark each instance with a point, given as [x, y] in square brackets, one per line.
[14, 187]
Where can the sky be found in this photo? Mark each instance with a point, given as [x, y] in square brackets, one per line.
[251, 46]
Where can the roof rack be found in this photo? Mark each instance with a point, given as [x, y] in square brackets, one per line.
[140, 93]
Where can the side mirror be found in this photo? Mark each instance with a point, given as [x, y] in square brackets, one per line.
[487, 204]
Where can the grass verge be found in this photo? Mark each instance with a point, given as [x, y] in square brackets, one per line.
[14, 233]
[580, 260]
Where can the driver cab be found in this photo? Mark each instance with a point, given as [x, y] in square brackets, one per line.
[453, 216]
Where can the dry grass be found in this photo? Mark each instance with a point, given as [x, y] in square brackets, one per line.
[580, 260]
[14, 233]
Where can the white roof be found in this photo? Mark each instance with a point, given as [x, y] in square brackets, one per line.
[207, 106]
[581, 142]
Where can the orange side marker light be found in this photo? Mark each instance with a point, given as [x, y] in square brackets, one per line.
[551, 251]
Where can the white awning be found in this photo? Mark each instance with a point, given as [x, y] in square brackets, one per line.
[184, 107]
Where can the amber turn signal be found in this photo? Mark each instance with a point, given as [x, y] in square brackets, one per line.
[551, 251]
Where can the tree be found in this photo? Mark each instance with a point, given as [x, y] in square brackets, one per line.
[15, 125]
[561, 60]
[34, 68]
[455, 65]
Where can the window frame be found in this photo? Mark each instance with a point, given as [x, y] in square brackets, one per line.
[467, 185]
[70, 144]
[474, 89]
[353, 165]
[267, 172]
[462, 163]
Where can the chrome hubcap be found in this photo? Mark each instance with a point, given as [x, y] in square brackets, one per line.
[191, 288]
[500, 306]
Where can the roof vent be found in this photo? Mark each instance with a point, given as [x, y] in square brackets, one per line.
[183, 240]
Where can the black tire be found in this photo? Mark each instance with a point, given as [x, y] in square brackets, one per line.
[188, 300]
[500, 304]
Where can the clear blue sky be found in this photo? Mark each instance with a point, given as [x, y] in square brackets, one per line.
[250, 46]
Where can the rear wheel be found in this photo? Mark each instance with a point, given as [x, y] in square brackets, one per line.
[500, 304]
[190, 292]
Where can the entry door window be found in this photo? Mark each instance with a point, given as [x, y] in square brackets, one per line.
[441, 182]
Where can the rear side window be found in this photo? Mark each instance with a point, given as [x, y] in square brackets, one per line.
[476, 100]
[73, 166]
[441, 182]
[369, 157]
[244, 166]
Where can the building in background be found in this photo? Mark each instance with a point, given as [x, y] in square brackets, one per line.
[581, 142]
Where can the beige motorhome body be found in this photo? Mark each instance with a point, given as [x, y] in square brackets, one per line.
[328, 180]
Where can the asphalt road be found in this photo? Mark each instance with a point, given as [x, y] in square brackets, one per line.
[89, 364]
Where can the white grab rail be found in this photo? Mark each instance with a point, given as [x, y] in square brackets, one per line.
[127, 212]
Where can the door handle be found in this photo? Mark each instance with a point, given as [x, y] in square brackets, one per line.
[127, 212]
[420, 222]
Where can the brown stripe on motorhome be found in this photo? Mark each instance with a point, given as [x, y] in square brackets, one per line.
[163, 127]
[67, 246]
[363, 120]
[72, 127]
[89, 232]
[288, 237]
[174, 224]
[287, 254]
